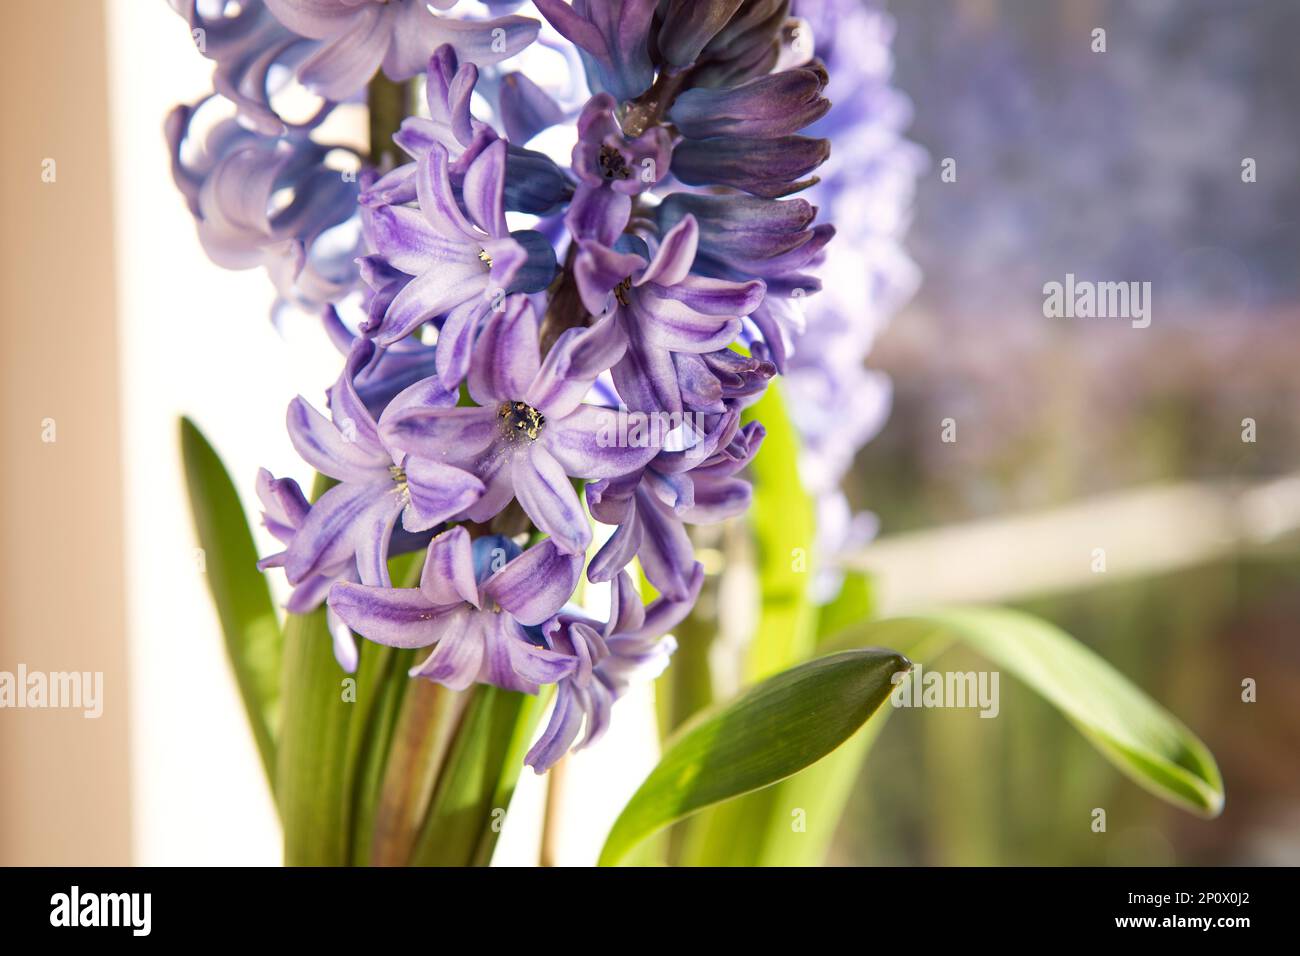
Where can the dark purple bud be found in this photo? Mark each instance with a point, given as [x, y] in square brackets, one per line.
[539, 269]
[688, 26]
[767, 107]
[534, 183]
[614, 35]
[764, 167]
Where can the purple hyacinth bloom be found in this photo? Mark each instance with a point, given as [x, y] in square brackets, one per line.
[769, 106]
[533, 183]
[696, 485]
[358, 36]
[607, 659]
[530, 432]
[661, 308]
[377, 483]
[463, 267]
[749, 45]
[390, 372]
[611, 169]
[448, 91]
[763, 167]
[472, 604]
[689, 25]
[613, 36]
[285, 508]
[234, 181]
[246, 46]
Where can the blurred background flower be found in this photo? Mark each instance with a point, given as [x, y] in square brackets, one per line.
[1120, 166]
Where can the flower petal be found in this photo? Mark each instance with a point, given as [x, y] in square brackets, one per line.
[457, 660]
[595, 442]
[505, 359]
[676, 254]
[329, 450]
[573, 364]
[326, 538]
[438, 492]
[398, 617]
[456, 340]
[448, 575]
[544, 492]
[671, 324]
[444, 288]
[457, 435]
[371, 535]
[482, 189]
[598, 270]
[536, 584]
[345, 64]
[406, 241]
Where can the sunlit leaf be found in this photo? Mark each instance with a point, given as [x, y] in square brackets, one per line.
[1131, 730]
[772, 730]
[254, 643]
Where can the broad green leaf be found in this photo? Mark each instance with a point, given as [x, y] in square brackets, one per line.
[854, 605]
[254, 643]
[791, 823]
[784, 527]
[1136, 734]
[771, 731]
[315, 805]
[477, 781]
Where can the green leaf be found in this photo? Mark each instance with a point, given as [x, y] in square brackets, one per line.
[773, 730]
[254, 643]
[855, 604]
[1135, 733]
[315, 805]
[477, 782]
[791, 823]
[783, 521]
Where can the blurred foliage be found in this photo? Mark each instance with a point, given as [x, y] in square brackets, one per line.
[1020, 789]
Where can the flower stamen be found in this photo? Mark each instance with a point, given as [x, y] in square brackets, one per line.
[519, 419]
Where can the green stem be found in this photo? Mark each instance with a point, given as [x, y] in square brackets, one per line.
[388, 103]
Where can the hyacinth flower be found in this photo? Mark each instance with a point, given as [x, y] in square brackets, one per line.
[232, 179]
[612, 169]
[246, 47]
[357, 37]
[376, 483]
[285, 508]
[472, 605]
[650, 509]
[605, 659]
[463, 266]
[618, 238]
[530, 431]
[661, 309]
[613, 37]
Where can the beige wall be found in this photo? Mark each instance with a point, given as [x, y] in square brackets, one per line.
[63, 778]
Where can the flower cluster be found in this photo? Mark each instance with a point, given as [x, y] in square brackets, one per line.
[548, 350]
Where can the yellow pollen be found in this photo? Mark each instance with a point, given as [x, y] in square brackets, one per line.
[622, 289]
[520, 419]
